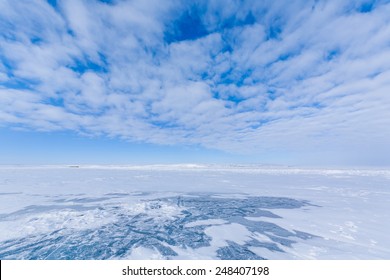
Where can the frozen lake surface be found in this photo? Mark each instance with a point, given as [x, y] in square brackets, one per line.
[193, 212]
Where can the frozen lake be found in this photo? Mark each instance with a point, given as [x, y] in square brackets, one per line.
[193, 212]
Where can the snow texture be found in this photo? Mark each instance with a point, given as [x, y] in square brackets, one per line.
[193, 212]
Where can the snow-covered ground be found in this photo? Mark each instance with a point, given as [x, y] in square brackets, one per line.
[193, 212]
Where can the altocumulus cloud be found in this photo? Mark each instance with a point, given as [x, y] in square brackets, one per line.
[308, 78]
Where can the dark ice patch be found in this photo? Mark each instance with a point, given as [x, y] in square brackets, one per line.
[158, 231]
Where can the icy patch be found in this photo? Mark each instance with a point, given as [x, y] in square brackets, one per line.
[42, 223]
[196, 226]
[106, 212]
[206, 223]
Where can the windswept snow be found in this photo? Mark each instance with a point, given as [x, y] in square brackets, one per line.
[193, 212]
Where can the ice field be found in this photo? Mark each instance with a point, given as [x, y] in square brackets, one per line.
[193, 212]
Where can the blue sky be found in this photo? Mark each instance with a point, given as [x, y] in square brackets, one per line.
[279, 82]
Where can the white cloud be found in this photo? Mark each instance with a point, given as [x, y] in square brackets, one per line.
[296, 78]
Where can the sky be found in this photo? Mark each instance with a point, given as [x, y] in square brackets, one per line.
[219, 81]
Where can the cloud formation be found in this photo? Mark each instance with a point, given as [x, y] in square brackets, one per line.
[302, 78]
